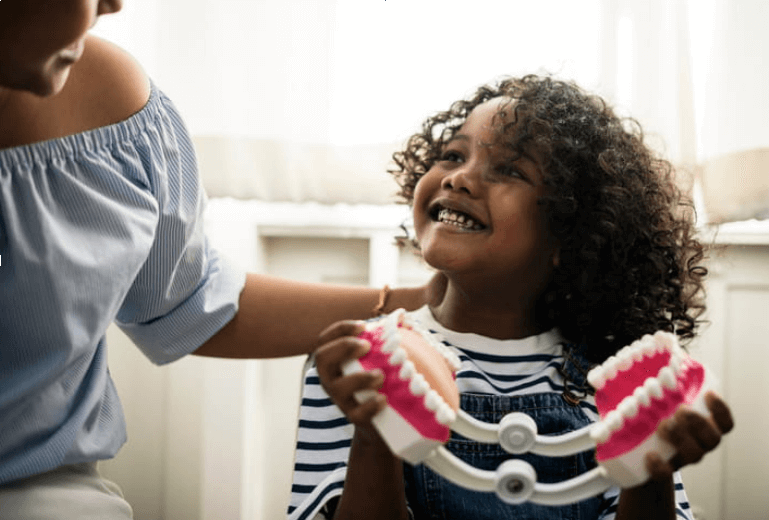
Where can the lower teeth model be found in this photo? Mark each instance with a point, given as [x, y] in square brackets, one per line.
[637, 388]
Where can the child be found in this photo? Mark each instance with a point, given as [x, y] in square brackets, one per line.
[563, 239]
[100, 205]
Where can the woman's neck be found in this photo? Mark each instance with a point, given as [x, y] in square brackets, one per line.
[487, 312]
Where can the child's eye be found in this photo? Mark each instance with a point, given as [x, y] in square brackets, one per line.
[451, 156]
[508, 170]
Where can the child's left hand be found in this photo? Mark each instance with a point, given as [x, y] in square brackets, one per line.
[692, 434]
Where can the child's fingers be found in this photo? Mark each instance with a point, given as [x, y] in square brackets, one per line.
[720, 412]
[330, 357]
[339, 329]
[342, 392]
[364, 412]
[344, 388]
[658, 468]
[692, 435]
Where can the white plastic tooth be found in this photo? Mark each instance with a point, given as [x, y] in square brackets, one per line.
[611, 366]
[668, 378]
[628, 407]
[445, 415]
[398, 356]
[676, 363]
[624, 360]
[648, 347]
[600, 433]
[433, 400]
[454, 362]
[642, 395]
[419, 385]
[614, 421]
[390, 340]
[407, 370]
[596, 378]
[666, 339]
[653, 387]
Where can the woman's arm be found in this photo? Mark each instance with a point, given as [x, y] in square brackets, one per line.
[279, 317]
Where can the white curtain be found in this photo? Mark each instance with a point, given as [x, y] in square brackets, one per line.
[306, 100]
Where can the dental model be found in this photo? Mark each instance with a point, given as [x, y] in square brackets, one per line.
[422, 401]
[641, 385]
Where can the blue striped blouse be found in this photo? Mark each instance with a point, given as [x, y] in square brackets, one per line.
[98, 227]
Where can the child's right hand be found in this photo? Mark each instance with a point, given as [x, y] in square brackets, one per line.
[339, 343]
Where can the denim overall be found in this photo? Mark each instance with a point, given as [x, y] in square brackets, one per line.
[432, 497]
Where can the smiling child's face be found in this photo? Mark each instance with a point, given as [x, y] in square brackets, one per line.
[41, 39]
[476, 211]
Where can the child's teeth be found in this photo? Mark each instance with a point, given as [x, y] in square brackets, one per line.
[418, 385]
[407, 370]
[450, 217]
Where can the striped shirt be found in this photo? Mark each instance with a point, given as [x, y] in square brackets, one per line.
[96, 227]
[489, 366]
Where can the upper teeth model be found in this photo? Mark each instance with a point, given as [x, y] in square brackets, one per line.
[637, 388]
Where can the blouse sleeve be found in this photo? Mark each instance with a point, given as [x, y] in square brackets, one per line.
[185, 292]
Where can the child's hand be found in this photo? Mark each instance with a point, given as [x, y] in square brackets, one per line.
[338, 345]
[692, 434]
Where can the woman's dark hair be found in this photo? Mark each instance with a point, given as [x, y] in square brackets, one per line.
[630, 263]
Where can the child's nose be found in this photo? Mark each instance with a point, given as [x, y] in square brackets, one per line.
[465, 178]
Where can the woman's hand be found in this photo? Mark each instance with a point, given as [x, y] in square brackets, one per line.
[692, 434]
[339, 344]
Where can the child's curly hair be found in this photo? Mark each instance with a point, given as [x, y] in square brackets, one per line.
[629, 260]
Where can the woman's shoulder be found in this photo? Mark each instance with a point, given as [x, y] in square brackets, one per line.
[109, 84]
[106, 86]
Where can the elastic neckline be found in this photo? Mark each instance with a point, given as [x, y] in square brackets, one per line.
[24, 156]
